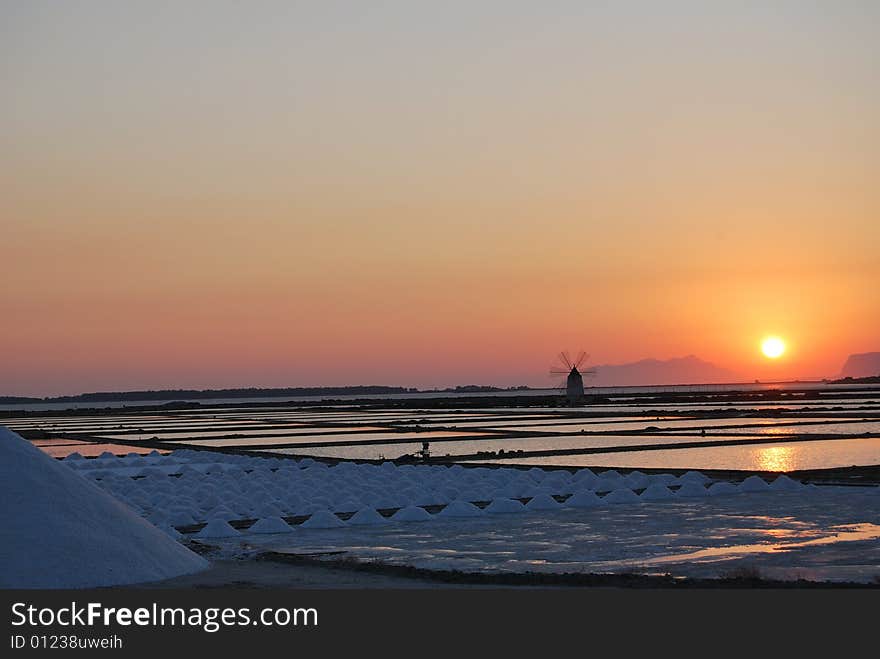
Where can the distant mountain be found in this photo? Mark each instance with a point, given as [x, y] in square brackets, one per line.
[864, 365]
[680, 370]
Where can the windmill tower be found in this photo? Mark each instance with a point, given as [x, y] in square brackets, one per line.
[574, 380]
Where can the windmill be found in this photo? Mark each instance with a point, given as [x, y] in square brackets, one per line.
[574, 381]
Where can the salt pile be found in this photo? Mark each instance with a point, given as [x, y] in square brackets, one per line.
[754, 484]
[62, 531]
[621, 495]
[505, 506]
[411, 514]
[460, 509]
[189, 486]
[693, 477]
[367, 517]
[786, 484]
[543, 502]
[609, 481]
[636, 480]
[692, 489]
[664, 479]
[722, 489]
[657, 492]
[221, 513]
[583, 478]
[270, 525]
[322, 519]
[217, 528]
[583, 499]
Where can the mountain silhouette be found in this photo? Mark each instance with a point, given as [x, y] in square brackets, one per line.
[679, 370]
[864, 365]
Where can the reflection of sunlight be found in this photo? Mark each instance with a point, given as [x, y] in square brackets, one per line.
[776, 430]
[785, 533]
[843, 533]
[775, 458]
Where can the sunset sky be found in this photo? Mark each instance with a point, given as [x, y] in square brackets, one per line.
[221, 194]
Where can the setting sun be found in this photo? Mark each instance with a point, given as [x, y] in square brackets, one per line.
[773, 347]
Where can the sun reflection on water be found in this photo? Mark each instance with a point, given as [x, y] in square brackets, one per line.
[776, 430]
[775, 458]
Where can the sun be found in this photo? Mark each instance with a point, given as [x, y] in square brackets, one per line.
[773, 347]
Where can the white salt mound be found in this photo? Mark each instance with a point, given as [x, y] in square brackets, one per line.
[608, 481]
[270, 525]
[621, 495]
[367, 517]
[221, 513]
[656, 492]
[692, 490]
[322, 519]
[722, 489]
[461, 509]
[786, 484]
[754, 484]
[583, 499]
[693, 477]
[536, 473]
[217, 528]
[411, 514]
[543, 502]
[63, 531]
[180, 518]
[504, 506]
[636, 480]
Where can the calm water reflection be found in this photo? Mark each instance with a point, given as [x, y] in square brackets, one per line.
[797, 455]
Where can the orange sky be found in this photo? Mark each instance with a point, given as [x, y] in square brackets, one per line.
[291, 196]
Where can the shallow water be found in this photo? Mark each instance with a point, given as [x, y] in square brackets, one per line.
[348, 436]
[391, 432]
[847, 428]
[470, 447]
[789, 456]
[274, 433]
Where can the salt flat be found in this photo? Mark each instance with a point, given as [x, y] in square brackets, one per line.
[826, 534]
[525, 520]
